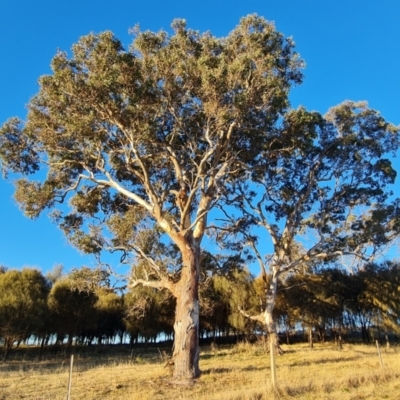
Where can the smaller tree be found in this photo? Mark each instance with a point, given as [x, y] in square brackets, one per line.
[214, 309]
[238, 293]
[148, 311]
[73, 310]
[380, 295]
[312, 302]
[324, 184]
[109, 315]
[23, 297]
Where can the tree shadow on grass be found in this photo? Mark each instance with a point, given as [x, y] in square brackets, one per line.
[210, 371]
[209, 356]
[322, 361]
[224, 370]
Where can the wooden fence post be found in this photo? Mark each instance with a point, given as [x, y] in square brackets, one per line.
[379, 353]
[70, 377]
[273, 365]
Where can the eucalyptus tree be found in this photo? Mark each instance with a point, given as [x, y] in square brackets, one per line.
[148, 312]
[214, 309]
[72, 310]
[312, 301]
[142, 140]
[109, 311]
[380, 295]
[320, 194]
[23, 296]
[224, 278]
[235, 290]
[87, 279]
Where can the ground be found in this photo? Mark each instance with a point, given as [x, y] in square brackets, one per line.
[228, 373]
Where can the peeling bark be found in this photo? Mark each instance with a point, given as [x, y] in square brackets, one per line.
[186, 327]
[268, 317]
[270, 323]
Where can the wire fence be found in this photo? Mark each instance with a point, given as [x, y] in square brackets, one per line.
[224, 376]
[147, 388]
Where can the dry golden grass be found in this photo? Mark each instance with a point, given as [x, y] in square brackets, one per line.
[229, 373]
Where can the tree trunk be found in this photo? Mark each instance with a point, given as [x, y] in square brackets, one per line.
[69, 344]
[270, 323]
[287, 336]
[186, 327]
[321, 333]
[8, 343]
[42, 343]
[365, 334]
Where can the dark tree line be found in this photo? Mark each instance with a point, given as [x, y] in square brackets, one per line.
[82, 307]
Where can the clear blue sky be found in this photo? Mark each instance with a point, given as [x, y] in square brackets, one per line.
[351, 48]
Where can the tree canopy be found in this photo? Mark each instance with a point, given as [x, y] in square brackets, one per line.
[141, 141]
[321, 194]
[23, 297]
[130, 150]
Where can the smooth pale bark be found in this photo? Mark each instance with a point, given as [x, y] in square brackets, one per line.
[186, 327]
[267, 319]
[270, 322]
[310, 337]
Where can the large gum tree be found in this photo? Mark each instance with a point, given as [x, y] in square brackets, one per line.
[140, 141]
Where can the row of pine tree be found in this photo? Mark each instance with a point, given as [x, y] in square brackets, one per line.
[83, 307]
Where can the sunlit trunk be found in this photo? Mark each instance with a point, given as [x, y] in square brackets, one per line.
[186, 326]
[270, 322]
[310, 337]
[273, 342]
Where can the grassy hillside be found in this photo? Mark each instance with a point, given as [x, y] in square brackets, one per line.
[229, 372]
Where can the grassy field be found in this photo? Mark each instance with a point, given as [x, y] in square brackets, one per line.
[229, 373]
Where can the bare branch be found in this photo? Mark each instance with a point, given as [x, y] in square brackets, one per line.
[259, 317]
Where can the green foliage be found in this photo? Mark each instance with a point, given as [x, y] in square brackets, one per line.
[148, 312]
[141, 142]
[312, 299]
[237, 293]
[380, 294]
[86, 279]
[118, 128]
[214, 308]
[321, 191]
[109, 311]
[23, 306]
[73, 310]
